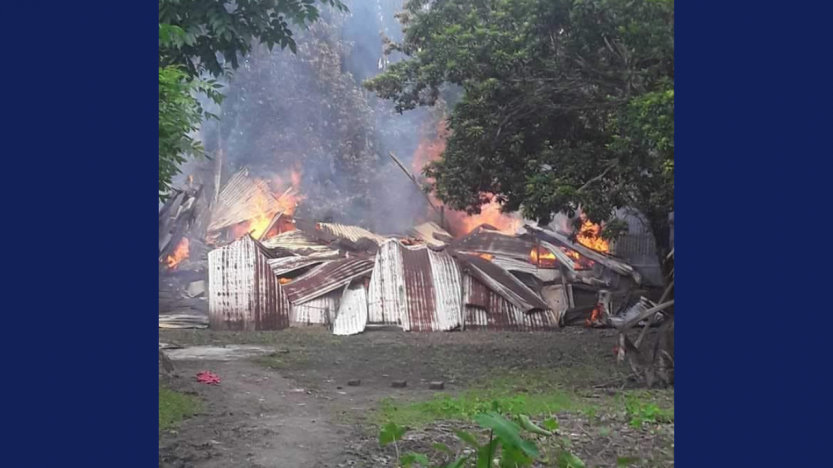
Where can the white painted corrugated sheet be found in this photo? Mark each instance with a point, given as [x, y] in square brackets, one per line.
[352, 312]
[447, 290]
[318, 311]
[386, 293]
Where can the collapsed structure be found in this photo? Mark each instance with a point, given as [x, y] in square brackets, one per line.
[269, 270]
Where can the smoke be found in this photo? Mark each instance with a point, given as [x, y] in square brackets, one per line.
[309, 111]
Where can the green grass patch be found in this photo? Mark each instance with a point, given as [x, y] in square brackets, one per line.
[643, 409]
[174, 407]
[465, 406]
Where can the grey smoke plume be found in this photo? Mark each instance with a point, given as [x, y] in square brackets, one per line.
[309, 112]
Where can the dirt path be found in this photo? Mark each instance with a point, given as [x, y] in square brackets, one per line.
[253, 418]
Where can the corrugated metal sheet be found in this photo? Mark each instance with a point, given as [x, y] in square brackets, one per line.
[327, 277]
[352, 312]
[351, 233]
[495, 242]
[242, 199]
[485, 309]
[425, 232]
[415, 286]
[386, 294]
[618, 266]
[318, 311]
[512, 264]
[447, 289]
[297, 241]
[244, 293]
[284, 265]
[502, 282]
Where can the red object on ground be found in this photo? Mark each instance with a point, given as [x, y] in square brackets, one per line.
[208, 378]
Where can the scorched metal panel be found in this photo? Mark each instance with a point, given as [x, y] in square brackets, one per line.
[386, 294]
[244, 293]
[326, 278]
[415, 286]
[352, 312]
[318, 311]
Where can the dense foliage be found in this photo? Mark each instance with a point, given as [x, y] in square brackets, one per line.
[566, 104]
[193, 35]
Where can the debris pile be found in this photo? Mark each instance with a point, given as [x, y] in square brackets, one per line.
[268, 270]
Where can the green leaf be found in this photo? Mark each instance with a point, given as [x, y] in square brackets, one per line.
[467, 438]
[458, 463]
[410, 458]
[567, 460]
[508, 432]
[514, 458]
[626, 461]
[443, 448]
[551, 424]
[486, 453]
[391, 432]
[531, 427]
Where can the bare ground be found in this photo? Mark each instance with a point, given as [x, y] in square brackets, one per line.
[295, 409]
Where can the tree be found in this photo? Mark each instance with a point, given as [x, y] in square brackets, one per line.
[193, 35]
[566, 104]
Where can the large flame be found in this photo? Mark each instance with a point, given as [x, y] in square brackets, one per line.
[490, 214]
[589, 236]
[430, 149]
[288, 196]
[179, 254]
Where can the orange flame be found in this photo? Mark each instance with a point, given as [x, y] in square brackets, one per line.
[284, 280]
[595, 316]
[542, 257]
[588, 236]
[490, 214]
[288, 198]
[486, 256]
[179, 254]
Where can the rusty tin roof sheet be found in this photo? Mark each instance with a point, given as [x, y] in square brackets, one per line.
[487, 309]
[284, 265]
[244, 293]
[296, 241]
[351, 233]
[327, 277]
[416, 287]
[611, 263]
[425, 232]
[495, 242]
[502, 282]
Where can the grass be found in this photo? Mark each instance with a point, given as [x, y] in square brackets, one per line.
[643, 409]
[174, 407]
[465, 406]
[529, 393]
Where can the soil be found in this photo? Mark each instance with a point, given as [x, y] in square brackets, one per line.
[294, 407]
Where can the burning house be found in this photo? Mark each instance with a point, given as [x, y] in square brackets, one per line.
[269, 270]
